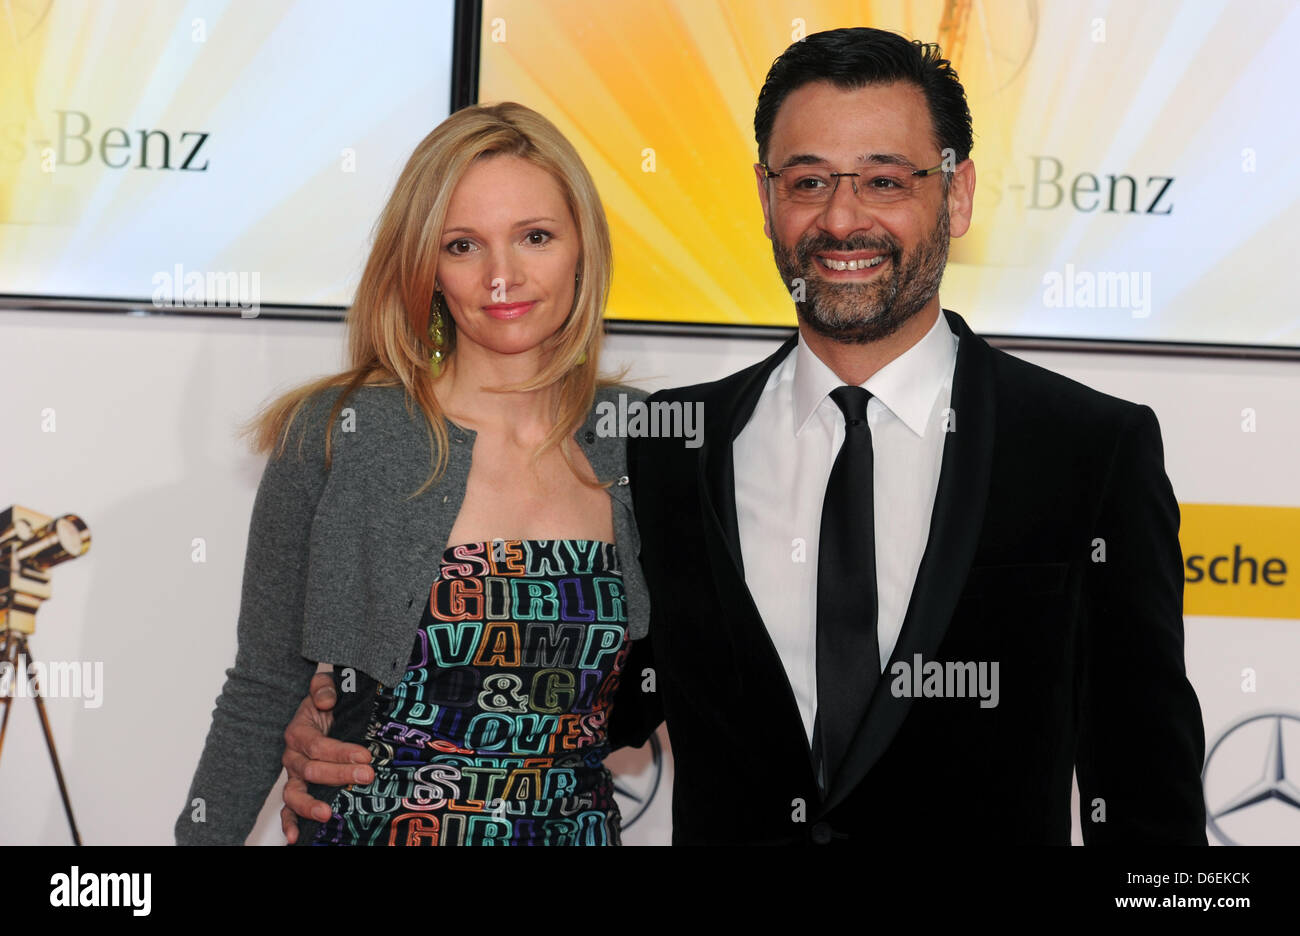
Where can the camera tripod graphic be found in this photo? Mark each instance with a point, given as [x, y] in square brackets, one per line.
[31, 543]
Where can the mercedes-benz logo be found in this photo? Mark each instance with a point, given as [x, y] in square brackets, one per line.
[1259, 750]
[635, 792]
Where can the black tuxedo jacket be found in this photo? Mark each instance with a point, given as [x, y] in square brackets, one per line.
[1053, 550]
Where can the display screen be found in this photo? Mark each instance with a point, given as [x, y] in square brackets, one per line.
[1134, 162]
[178, 152]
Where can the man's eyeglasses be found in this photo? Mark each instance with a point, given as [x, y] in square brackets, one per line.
[816, 185]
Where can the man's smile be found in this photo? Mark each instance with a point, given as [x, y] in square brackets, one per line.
[864, 263]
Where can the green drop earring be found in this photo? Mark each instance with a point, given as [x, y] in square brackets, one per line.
[436, 336]
[582, 358]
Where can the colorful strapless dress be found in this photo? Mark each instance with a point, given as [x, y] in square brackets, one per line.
[496, 733]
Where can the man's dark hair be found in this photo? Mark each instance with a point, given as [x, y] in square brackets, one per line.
[855, 57]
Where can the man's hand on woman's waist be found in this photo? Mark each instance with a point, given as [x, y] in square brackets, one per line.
[311, 756]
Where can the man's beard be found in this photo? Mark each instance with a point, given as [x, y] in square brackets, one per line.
[856, 313]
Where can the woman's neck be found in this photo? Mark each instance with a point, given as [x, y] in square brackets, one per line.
[526, 416]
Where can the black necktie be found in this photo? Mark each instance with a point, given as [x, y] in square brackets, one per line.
[848, 650]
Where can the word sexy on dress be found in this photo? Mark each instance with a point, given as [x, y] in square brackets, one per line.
[496, 733]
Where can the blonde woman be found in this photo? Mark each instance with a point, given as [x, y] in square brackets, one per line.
[444, 524]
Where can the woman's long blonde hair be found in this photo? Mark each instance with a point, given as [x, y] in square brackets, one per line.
[388, 341]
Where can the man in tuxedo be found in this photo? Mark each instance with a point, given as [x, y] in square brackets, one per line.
[909, 585]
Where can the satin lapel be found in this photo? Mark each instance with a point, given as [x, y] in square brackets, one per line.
[955, 525]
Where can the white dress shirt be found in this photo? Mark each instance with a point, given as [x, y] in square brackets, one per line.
[783, 458]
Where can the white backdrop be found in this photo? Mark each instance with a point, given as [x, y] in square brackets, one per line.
[143, 451]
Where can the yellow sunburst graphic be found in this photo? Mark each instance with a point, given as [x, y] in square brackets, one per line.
[24, 25]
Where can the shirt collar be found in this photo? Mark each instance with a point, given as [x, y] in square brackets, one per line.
[907, 385]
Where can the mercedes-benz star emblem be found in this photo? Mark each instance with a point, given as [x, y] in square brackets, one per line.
[1260, 748]
[635, 792]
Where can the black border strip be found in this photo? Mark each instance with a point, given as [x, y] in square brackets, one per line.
[670, 329]
[1006, 342]
[466, 33]
[144, 307]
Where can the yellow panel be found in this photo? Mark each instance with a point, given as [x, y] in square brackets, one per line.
[1241, 561]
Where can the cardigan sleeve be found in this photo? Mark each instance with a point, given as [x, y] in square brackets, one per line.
[241, 756]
